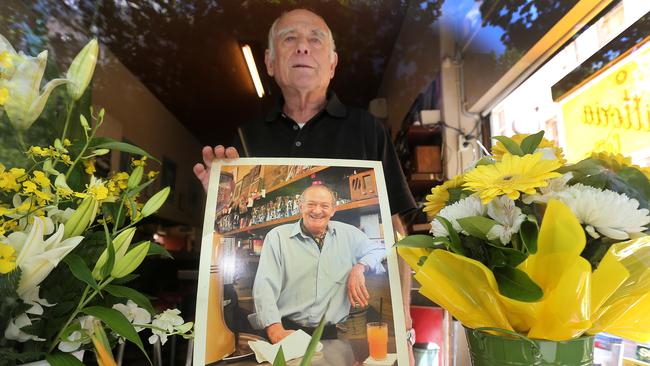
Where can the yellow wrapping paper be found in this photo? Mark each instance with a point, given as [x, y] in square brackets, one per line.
[615, 298]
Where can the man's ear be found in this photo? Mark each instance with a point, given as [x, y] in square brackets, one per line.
[335, 61]
[268, 62]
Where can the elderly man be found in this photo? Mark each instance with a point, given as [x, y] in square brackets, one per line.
[310, 122]
[304, 266]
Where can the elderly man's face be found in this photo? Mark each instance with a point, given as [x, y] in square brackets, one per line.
[303, 57]
[317, 209]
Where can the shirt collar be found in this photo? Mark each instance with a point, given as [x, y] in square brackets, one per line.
[334, 107]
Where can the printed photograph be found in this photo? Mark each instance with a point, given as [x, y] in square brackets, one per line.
[292, 245]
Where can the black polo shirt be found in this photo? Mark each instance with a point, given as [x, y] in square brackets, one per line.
[337, 132]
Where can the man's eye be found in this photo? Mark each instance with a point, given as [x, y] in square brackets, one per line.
[290, 38]
[316, 40]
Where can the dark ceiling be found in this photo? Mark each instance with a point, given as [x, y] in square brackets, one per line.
[187, 51]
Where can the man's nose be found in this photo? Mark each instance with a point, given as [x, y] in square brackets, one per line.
[303, 47]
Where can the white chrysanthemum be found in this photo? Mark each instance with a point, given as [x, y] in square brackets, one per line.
[508, 217]
[604, 212]
[546, 193]
[469, 206]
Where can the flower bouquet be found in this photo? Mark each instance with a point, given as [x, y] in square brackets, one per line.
[54, 210]
[527, 245]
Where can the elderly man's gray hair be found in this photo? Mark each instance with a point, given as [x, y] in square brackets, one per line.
[321, 186]
[274, 31]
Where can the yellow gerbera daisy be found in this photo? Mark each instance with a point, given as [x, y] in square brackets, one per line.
[613, 161]
[498, 150]
[440, 195]
[512, 175]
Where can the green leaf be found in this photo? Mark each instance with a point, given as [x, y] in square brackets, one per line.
[416, 241]
[422, 260]
[510, 145]
[140, 299]
[531, 142]
[528, 233]
[279, 358]
[63, 359]
[155, 202]
[486, 160]
[157, 249]
[118, 323]
[135, 177]
[477, 226]
[496, 257]
[513, 257]
[516, 284]
[80, 270]
[109, 143]
[454, 239]
[315, 338]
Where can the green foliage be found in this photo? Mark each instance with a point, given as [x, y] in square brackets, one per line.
[516, 284]
[510, 145]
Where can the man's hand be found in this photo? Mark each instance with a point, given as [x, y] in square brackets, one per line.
[276, 332]
[202, 171]
[357, 292]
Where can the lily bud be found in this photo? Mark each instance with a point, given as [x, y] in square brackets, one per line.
[120, 245]
[155, 202]
[130, 261]
[81, 70]
[135, 177]
[81, 218]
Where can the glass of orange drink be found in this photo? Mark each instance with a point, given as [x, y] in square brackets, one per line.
[377, 339]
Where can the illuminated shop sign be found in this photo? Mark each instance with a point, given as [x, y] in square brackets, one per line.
[612, 111]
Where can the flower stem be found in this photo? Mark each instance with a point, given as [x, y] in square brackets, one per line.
[67, 120]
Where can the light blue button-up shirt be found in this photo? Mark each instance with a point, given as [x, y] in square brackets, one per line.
[296, 280]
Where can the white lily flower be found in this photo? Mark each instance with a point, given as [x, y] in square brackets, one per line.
[25, 101]
[554, 187]
[37, 257]
[134, 313]
[31, 298]
[469, 206]
[14, 332]
[604, 212]
[508, 216]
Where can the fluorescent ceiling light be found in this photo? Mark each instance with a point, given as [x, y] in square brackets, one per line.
[252, 69]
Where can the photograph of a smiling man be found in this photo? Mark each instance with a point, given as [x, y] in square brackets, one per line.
[336, 253]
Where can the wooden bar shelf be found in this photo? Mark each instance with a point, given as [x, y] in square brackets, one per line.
[344, 207]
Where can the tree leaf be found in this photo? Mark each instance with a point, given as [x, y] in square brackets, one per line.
[516, 284]
[528, 233]
[109, 143]
[531, 142]
[510, 145]
[118, 323]
[129, 293]
[416, 241]
[80, 270]
[279, 358]
[63, 359]
[454, 239]
[477, 226]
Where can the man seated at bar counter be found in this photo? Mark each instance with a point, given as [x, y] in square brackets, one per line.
[310, 122]
[308, 264]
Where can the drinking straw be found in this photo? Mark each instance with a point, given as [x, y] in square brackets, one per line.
[381, 307]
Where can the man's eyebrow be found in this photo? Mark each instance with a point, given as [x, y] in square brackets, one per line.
[318, 32]
[283, 32]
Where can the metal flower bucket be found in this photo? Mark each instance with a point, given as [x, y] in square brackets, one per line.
[487, 349]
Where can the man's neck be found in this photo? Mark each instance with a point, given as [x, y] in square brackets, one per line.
[301, 106]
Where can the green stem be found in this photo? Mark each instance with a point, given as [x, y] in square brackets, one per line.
[82, 304]
[21, 140]
[67, 120]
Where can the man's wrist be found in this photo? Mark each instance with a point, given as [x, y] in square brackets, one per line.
[410, 336]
